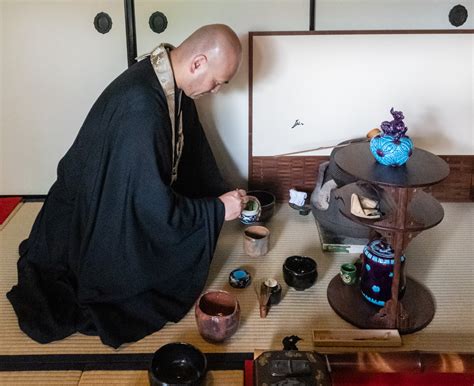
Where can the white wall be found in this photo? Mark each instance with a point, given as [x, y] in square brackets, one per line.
[225, 115]
[54, 65]
[389, 14]
[342, 86]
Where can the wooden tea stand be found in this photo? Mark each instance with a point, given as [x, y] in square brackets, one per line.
[408, 210]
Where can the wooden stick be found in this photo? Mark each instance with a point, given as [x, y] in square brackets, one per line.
[316, 148]
[369, 135]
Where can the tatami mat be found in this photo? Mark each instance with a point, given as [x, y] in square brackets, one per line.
[102, 377]
[122, 378]
[441, 258]
[40, 378]
[140, 378]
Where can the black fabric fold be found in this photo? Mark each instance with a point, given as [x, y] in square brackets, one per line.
[116, 251]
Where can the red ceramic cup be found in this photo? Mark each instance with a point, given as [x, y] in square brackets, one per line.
[217, 315]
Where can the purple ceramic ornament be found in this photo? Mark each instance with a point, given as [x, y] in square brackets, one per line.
[392, 147]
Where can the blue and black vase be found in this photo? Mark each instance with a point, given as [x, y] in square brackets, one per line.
[377, 272]
[391, 150]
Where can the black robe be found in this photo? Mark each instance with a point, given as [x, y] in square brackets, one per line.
[115, 250]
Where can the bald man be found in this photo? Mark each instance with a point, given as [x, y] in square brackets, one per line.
[124, 240]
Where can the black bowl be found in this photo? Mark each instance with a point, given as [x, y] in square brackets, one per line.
[177, 364]
[300, 272]
[267, 201]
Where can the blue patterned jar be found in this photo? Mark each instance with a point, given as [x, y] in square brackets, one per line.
[392, 147]
[391, 150]
[377, 272]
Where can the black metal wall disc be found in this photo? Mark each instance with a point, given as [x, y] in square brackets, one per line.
[103, 22]
[458, 15]
[158, 22]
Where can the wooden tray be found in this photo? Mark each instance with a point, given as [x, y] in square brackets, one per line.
[357, 338]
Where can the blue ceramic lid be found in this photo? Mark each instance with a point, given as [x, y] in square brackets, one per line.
[239, 278]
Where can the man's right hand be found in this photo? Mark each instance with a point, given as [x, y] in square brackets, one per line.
[234, 201]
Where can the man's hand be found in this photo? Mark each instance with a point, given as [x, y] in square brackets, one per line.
[234, 201]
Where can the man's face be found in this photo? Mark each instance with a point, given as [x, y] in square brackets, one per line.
[208, 78]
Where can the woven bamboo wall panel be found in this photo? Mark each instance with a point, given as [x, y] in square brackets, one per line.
[459, 184]
[279, 174]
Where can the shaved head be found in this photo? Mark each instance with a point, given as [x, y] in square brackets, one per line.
[208, 58]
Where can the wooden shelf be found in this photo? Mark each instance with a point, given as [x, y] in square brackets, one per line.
[423, 211]
[407, 211]
[422, 168]
[347, 301]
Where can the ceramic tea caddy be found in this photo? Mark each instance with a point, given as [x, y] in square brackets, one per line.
[239, 278]
[275, 291]
[377, 272]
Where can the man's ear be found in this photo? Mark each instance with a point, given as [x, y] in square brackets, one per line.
[199, 61]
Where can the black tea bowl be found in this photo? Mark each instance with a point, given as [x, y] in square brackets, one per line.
[300, 272]
[177, 364]
[267, 201]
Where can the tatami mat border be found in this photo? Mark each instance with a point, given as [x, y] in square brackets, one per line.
[88, 362]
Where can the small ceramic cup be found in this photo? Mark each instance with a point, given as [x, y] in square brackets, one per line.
[251, 213]
[239, 278]
[177, 364]
[256, 240]
[300, 272]
[217, 315]
[348, 273]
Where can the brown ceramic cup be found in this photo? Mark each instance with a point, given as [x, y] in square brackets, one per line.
[256, 240]
[217, 315]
